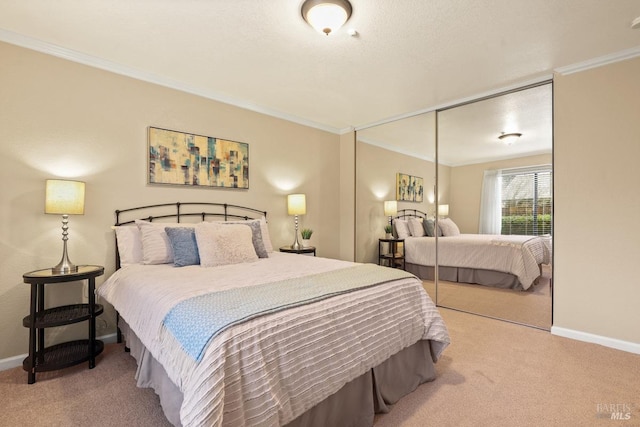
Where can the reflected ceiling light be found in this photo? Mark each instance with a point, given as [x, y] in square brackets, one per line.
[326, 15]
[509, 138]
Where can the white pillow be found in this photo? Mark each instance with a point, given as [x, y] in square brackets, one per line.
[256, 230]
[448, 227]
[415, 227]
[129, 242]
[224, 244]
[402, 228]
[156, 247]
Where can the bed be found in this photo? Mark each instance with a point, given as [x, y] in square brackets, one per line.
[276, 339]
[503, 261]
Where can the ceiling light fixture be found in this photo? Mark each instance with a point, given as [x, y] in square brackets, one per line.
[509, 138]
[326, 15]
[636, 23]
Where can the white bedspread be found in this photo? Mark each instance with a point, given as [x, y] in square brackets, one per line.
[518, 255]
[271, 369]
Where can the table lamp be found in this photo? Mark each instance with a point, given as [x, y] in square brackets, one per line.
[296, 205]
[64, 197]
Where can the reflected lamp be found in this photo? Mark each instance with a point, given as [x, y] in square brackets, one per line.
[64, 197]
[390, 209]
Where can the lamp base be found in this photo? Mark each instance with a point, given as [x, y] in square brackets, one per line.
[64, 269]
[296, 246]
[64, 266]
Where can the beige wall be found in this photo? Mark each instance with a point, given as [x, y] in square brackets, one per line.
[597, 201]
[375, 182]
[466, 188]
[62, 119]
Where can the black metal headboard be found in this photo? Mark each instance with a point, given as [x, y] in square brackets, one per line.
[179, 211]
[410, 213]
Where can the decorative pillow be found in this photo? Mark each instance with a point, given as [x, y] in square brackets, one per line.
[183, 245]
[224, 244]
[129, 244]
[448, 227]
[256, 230]
[156, 248]
[402, 228]
[415, 227]
[429, 228]
[266, 239]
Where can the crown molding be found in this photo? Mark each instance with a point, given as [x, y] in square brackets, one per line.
[103, 64]
[599, 61]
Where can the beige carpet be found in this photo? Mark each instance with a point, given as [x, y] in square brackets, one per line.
[530, 307]
[494, 374]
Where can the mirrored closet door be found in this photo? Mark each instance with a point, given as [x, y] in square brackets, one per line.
[496, 155]
[407, 147]
[477, 184]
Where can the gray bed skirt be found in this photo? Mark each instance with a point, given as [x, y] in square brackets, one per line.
[355, 404]
[496, 279]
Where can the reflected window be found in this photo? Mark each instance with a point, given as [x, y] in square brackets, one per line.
[517, 201]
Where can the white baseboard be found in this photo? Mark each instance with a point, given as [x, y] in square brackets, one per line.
[628, 346]
[15, 361]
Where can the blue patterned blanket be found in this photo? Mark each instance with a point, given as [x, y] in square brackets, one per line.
[196, 321]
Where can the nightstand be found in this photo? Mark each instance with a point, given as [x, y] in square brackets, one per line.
[70, 353]
[393, 258]
[307, 250]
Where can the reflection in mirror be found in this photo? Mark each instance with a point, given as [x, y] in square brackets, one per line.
[407, 147]
[499, 200]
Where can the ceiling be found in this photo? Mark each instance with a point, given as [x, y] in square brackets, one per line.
[408, 55]
[469, 133]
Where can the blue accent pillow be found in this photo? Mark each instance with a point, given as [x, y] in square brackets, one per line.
[429, 228]
[184, 245]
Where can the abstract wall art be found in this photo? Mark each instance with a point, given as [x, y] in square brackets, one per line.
[409, 188]
[179, 158]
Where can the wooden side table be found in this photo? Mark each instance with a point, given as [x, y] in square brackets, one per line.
[394, 258]
[307, 250]
[70, 353]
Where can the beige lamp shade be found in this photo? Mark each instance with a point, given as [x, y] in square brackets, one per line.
[64, 197]
[297, 204]
[443, 210]
[390, 208]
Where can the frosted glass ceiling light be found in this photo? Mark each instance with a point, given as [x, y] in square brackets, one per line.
[509, 138]
[326, 15]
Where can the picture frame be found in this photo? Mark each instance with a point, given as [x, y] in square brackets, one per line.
[409, 188]
[187, 159]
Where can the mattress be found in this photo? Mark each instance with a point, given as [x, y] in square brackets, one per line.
[273, 368]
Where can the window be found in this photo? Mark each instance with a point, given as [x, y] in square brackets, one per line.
[526, 200]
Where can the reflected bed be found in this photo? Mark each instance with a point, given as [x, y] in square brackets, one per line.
[503, 261]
